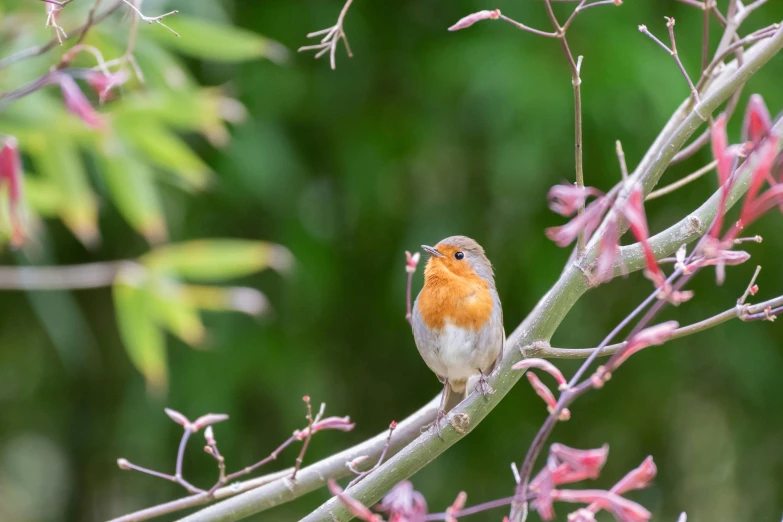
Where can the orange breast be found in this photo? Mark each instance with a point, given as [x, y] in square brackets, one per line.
[463, 301]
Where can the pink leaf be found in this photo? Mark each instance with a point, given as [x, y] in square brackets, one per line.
[358, 509]
[634, 213]
[654, 335]
[757, 120]
[475, 17]
[178, 417]
[566, 200]
[208, 419]
[542, 364]
[77, 103]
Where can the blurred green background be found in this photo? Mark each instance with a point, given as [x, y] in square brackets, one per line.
[423, 134]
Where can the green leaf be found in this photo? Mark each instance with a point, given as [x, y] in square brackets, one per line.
[143, 340]
[217, 259]
[167, 151]
[58, 160]
[202, 39]
[177, 312]
[132, 189]
[43, 196]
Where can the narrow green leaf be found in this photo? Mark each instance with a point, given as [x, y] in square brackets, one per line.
[206, 40]
[132, 189]
[143, 340]
[168, 151]
[217, 259]
[59, 162]
[177, 312]
[43, 196]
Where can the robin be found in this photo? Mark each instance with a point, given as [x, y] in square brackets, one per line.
[457, 319]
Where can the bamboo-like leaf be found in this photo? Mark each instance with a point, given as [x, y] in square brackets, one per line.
[43, 196]
[58, 161]
[217, 259]
[133, 190]
[143, 339]
[206, 40]
[178, 313]
[166, 150]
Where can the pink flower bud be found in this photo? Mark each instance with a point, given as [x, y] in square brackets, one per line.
[209, 418]
[404, 503]
[358, 509]
[623, 509]
[757, 121]
[634, 213]
[542, 391]
[178, 417]
[209, 436]
[11, 174]
[587, 462]
[475, 17]
[587, 222]
[123, 464]
[652, 336]
[102, 83]
[545, 365]
[754, 289]
[608, 253]
[458, 504]
[411, 261]
[566, 200]
[329, 423]
[77, 103]
[638, 478]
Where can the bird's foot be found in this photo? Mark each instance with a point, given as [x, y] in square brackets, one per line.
[483, 387]
[436, 424]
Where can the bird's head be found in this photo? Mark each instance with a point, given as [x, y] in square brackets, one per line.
[458, 256]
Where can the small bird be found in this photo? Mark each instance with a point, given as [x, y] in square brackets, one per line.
[457, 319]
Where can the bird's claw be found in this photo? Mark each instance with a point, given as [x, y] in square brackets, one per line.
[436, 424]
[483, 387]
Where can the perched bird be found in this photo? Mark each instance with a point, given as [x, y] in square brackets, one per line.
[457, 318]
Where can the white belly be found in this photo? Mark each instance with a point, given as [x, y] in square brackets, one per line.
[457, 352]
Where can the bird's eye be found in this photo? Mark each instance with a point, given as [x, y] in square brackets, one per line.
[459, 256]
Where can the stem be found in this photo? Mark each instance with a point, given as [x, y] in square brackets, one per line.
[681, 183]
[89, 275]
[41, 49]
[705, 34]
[547, 352]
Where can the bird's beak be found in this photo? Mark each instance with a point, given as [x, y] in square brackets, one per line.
[432, 251]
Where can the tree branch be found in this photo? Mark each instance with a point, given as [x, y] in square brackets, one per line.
[89, 275]
[41, 49]
[544, 351]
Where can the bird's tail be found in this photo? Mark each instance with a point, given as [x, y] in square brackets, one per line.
[455, 394]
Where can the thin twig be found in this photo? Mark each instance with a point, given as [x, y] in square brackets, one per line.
[332, 37]
[547, 352]
[621, 160]
[681, 183]
[310, 421]
[153, 19]
[361, 475]
[749, 289]
[67, 58]
[524, 27]
[673, 52]
[41, 49]
[705, 33]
